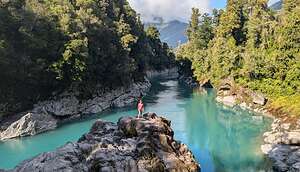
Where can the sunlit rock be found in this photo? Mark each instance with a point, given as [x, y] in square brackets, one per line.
[134, 144]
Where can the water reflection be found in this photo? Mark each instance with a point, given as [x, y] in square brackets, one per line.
[230, 138]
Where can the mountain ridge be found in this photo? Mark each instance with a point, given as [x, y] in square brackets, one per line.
[276, 6]
[172, 32]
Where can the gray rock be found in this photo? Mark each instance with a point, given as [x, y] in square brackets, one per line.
[296, 167]
[286, 126]
[68, 107]
[282, 147]
[274, 138]
[294, 157]
[144, 144]
[28, 125]
[292, 138]
[227, 100]
[65, 106]
[69, 104]
[258, 99]
[266, 148]
[225, 87]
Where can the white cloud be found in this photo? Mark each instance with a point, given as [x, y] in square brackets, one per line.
[168, 9]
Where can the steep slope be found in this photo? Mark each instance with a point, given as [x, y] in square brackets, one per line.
[276, 6]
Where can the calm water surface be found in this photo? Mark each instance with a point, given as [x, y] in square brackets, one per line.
[222, 139]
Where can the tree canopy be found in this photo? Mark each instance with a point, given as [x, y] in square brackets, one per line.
[257, 47]
[47, 46]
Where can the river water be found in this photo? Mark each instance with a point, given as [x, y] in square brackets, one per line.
[222, 139]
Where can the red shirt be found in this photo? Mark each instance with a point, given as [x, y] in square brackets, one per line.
[140, 106]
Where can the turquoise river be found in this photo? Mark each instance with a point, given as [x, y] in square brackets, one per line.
[222, 139]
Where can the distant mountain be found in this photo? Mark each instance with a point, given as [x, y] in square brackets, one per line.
[173, 32]
[277, 6]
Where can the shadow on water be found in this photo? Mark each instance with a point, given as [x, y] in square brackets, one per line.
[222, 139]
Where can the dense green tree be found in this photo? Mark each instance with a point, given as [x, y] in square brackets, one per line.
[48, 46]
[194, 23]
[258, 48]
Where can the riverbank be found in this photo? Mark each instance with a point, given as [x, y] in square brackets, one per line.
[133, 144]
[282, 143]
[50, 114]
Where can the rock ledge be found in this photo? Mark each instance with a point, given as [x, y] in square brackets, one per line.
[135, 145]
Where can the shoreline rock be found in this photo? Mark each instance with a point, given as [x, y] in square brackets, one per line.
[47, 115]
[134, 144]
[282, 146]
[232, 95]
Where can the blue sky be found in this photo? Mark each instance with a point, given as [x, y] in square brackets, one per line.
[218, 3]
[175, 9]
[222, 3]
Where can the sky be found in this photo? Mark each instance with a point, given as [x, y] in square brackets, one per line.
[174, 9]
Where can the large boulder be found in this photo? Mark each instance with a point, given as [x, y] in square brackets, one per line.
[230, 101]
[282, 146]
[28, 125]
[134, 144]
[258, 99]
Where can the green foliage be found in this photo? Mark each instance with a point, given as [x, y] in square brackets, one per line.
[248, 42]
[152, 33]
[49, 46]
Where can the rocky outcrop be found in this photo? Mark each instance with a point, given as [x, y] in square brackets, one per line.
[206, 84]
[28, 125]
[69, 104]
[282, 146]
[135, 145]
[230, 101]
[46, 115]
[171, 73]
[232, 95]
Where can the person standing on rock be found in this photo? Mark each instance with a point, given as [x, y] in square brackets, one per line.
[140, 107]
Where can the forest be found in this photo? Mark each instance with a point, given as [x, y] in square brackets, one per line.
[255, 46]
[48, 46]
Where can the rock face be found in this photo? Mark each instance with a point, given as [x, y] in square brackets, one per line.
[69, 105]
[232, 95]
[133, 145]
[282, 146]
[46, 115]
[28, 125]
[227, 100]
[258, 99]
